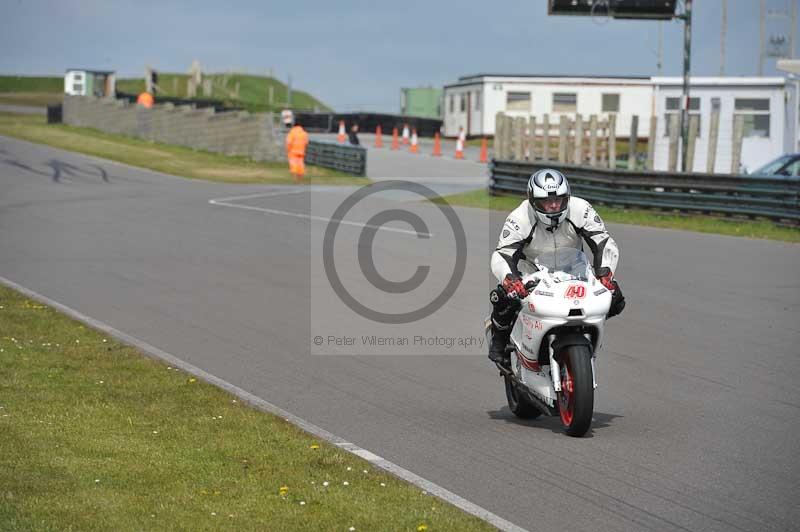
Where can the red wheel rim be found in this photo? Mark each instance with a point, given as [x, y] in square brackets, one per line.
[566, 399]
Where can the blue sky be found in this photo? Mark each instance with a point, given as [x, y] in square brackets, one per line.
[357, 55]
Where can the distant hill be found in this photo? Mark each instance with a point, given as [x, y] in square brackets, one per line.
[253, 91]
[31, 84]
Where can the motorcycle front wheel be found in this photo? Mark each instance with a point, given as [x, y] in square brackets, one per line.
[576, 398]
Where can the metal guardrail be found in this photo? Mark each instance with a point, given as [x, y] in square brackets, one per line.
[772, 198]
[345, 158]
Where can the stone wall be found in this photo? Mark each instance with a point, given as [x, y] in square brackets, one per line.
[231, 133]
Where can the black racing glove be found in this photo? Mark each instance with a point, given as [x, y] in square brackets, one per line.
[617, 301]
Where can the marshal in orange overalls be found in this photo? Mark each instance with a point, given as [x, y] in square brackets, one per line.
[145, 99]
[296, 142]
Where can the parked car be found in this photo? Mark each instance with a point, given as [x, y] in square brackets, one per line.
[786, 165]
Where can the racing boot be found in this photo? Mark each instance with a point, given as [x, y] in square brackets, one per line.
[504, 312]
[497, 349]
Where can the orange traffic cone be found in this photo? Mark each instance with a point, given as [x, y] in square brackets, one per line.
[405, 134]
[395, 140]
[413, 147]
[342, 135]
[484, 151]
[378, 139]
[437, 145]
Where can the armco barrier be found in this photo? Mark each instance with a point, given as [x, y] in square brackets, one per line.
[348, 159]
[772, 198]
[54, 113]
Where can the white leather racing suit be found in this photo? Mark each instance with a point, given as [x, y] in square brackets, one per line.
[522, 239]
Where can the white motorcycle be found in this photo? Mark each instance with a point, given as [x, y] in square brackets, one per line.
[555, 341]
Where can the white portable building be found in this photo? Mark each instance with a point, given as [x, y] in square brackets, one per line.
[81, 82]
[473, 101]
[769, 106]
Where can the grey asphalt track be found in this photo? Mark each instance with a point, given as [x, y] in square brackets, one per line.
[696, 423]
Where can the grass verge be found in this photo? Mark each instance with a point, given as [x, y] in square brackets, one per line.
[96, 436]
[166, 158]
[752, 229]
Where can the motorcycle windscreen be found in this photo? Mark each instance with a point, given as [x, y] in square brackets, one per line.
[568, 260]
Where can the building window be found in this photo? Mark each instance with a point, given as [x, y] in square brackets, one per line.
[756, 115]
[452, 104]
[463, 102]
[610, 103]
[77, 87]
[565, 102]
[518, 101]
[673, 107]
[477, 100]
[78, 77]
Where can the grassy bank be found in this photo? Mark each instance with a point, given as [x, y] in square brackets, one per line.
[701, 224]
[162, 157]
[35, 91]
[96, 436]
[49, 84]
[255, 93]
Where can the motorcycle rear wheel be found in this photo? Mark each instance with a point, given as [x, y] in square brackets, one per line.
[519, 405]
[576, 398]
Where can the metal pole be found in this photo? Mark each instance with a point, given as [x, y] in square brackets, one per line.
[722, 32]
[660, 46]
[687, 54]
[793, 31]
[761, 37]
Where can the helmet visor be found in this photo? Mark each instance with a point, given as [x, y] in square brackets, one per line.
[551, 204]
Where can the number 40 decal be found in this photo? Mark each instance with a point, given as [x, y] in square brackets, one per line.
[576, 291]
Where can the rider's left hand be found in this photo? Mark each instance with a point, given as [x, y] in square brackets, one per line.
[607, 280]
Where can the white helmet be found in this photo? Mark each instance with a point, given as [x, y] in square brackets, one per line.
[548, 194]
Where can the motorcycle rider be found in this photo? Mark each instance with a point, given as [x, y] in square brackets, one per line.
[550, 218]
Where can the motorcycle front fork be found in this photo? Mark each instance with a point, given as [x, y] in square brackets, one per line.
[555, 370]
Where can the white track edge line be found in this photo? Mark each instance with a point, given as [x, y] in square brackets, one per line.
[304, 216]
[270, 194]
[262, 404]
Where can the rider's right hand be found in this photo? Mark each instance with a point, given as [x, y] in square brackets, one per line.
[513, 286]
